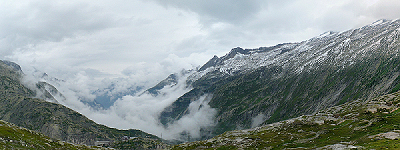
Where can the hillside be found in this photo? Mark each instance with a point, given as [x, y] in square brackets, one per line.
[18, 106]
[14, 137]
[372, 124]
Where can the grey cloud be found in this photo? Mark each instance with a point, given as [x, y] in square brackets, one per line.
[95, 73]
[293, 21]
[385, 9]
[258, 120]
[232, 11]
[38, 21]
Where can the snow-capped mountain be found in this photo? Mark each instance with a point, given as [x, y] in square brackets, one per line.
[342, 49]
[291, 79]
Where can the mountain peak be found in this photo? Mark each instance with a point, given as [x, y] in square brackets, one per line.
[15, 66]
[327, 33]
[239, 50]
[380, 21]
[212, 62]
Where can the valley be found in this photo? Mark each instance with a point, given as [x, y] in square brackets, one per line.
[336, 90]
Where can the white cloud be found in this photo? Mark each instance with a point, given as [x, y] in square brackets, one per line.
[233, 11]
[258, 120]
[140, 111]
[105, 36]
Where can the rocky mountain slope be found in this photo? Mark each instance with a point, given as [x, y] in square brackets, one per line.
[18, 106]
[371, 124]
[252, 86]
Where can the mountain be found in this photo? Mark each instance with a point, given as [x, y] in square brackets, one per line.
[19, 106]
[106, 97]
[49, 93]
[371, 124]
[249, 87]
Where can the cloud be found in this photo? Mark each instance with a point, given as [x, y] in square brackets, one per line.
[384, 9]
[139, 111]
[234, 11]
[29, 23]
[201, 116]
[106, 36]
[258, 120]
[142, 112]
[111, 36]
[267, 23]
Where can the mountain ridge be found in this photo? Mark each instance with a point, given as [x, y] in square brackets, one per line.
[291, 79]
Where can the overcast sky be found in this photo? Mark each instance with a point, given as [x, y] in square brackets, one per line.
[137, 38]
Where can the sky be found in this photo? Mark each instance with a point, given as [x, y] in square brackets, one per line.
[91, 44]
[153, 38]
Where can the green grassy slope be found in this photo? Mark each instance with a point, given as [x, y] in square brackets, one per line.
[291, 95]
[14, 137]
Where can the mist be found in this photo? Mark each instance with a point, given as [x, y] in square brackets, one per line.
[258, 120]
[139, 111]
